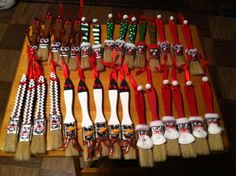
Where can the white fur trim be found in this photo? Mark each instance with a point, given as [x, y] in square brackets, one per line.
[142, 127]
[109, 41]
[168, 118]
[171, 133]
[185, 21]
[139, 88]
[175, 83]
[205, 79]
[188, 83]
[85, 44]
[144, 142]
[125, 17]
[214, 129]
[186, 138]
[120, 41]
[193, 118]
[156, 123]
[148, 86]
[182, 120]
[130, 45]
[165, 81]
[171, 18]
[158, 139]
[110, 15]
[96, 46]
[159, 16]
[199, 133]
[211, 115]
[95, 20]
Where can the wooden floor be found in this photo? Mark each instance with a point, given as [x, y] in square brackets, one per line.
[218, 37]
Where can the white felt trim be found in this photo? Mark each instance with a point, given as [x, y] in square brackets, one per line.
[98, 97]
[144, 142]
[142, 127]
[199, 133]
[214, 128]
[156, 123]
[109, 41]
[171, 133]
[194, 118]
[186, 138]
[182, 120]
[68, 97]
[158, 139]
[120, 41]
[113, 97]
[211, 115]
[130, 45]
[168, 118]
[85, 44]
[96, 46]
[124, 97]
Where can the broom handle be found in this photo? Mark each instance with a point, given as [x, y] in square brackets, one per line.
[124, 97]
[68, 97]
[98, 97]
[113, 97]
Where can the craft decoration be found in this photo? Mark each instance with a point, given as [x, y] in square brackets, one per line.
[109, 43]
[177, 48]
[141, 46]
[153, 49]
[97, 47]
[130, 48]
[44, 41]
[163, 44]
[85, 47]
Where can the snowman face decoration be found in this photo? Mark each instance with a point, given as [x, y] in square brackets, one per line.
[119, 45]
[178, 49]
[88, 133]
[154, 53]
[25, 133]
[193, 53]
[101, 130]
[13, 125]
[109, 45]
[74, 50]
[127, 132]
[43, 42]
[39, 127]
[114, 131]
[85, 50]
[140, 49]
[70, 130]
[129, 49]
[55, 122]
[64, 50]
[165, 46]
[55, 46]
[98, 52]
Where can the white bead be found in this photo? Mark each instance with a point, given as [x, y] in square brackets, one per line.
[171, 18]
[159, 16]
[83, 19]
[133, 19]
[165, 81]
[139, 88]
[148, 86]
[188, 83]
[110, 15]
[95, 20]
[185, 21]
[205, 79]
[125, 17]
[175, 83]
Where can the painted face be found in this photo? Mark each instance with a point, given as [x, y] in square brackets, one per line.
[85, 50]
[178, 49]
[143, 132]
[25, 133]
[212, 120]
[43, 42]
[169, 123]
[140, 49]
[165, 46]
[55, 46]
[39, 127]
[88, 133]
[73, 50]
[64, 50]
[184, 127]
[70, 130]
[13, 125]
[98, 52]
[157, 129]
[34, 47]
[55, 122]
[193, 53]
[129, 50]
[119, 45]
[114, 131]
[127, 132]
[109, 45]
[101, 130]
[196, 124]
[154, 53]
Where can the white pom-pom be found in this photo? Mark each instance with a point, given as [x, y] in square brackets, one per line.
[95, 20]
[188, 83]
[205, 79]
[165, 81]
[175, 83]
[159, 16]
[133, 19]
[83, 19]
[148, 86]
[171, 18]
[185, 21]
[110, 15]
[139, 88]
[125, 17]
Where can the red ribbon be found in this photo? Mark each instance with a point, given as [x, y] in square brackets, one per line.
[53, 64]
[161, 29]
[65, 69]
[173, 32]
[80, 71]
[92, 61]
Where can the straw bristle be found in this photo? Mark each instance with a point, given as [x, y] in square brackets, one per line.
[38, 145]
[131, 155]
[117, 151]
[195, 67]
[100, 66]
[159, 152]
[73, 64]
[168, 62]
[56, 58]
[201, 146]
[139, 61]
[11, 142]
[85, 62]
[130, 60]
[104, 150]
[43, 54]
[188, 151]
[118, 57]
[66, 59]
[107, 55]
[215, 142]
[180, 60]
[172, 147]
[86, 154]
[145, 157]
[154, 63]
[23, 151]
[71, 150]
[54, 139]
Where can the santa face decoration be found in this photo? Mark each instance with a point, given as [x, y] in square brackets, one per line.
[184, 127]
[196, 124]
[129, 50]
[55, 46]
[170, 124]
[64, 50]
[143, 132]
[140, 49]
[212, 121]
[154, 53]
[164, 46]
[70, 130]
[192, 53]
[85, 50]
[127, 132]
[25, 134]
[178, 49]
[101, 130]
[114, 131]
[119, 46]
[88, 133]
[55, 122]
[98, 52]
[109, 45]
[13, 126]
[39, 127]
[157, 129]
[44, 43]
[74, 50]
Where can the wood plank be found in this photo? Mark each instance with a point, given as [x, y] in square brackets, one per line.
[18, 171]
[3, 28]
[32, 163]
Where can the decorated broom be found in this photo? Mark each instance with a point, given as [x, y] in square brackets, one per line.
[120, 43]
[54, 134]
[130, 47]
[97, 47]
[141, 46]
[168, 119]
[109, 43]
[185, 139]
[154, 52]
[44, 41]
[177, 48]
[192, 53]
[214, 130]
[71, 144]
[163, 43]
[157, 127]
[196, 121]
[85, 47]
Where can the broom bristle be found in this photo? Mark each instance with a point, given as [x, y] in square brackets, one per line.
[56, 58]
[130, 60]
[168, 62]
[23, 151]
[201, 146]
[117, 151]
[107, 55]
[10, 142]
[118, 57]
[145, 157]
[159, 152]
[172, 147]
[86, 154]
[100, 66]
[180, 60]
[71, 150]
[54, 139]
[139, 61]
[154, 63]
[215, 142]
[66, 59]
[73, 64]
[195, 67]
[187, 151]
[131, 155]
[43, 54]
[38, 145]
[85, 62]
[104, 150]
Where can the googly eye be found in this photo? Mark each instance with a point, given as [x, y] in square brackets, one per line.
[57, 44]
[66, 48]
[41, 40]
[62, 48]
[46, 40]
[77, 48]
